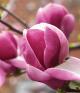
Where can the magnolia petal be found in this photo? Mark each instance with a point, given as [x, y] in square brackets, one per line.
[2, 77]
[28, 53]
[12, 38]
[4, 65]
[41, 26]
[36, 74]
[7, 47]
[18, 62]
[64, 45]
[68, 24]
[51, 53]
[40, 17]
[69, 70]
[52, 14]
[36, 40]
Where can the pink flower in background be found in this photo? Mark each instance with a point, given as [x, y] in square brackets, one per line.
[57, 15]
[8, 51]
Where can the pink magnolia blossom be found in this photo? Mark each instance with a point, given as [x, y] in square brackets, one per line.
[8, 51]
[57, 15]
[45, 49]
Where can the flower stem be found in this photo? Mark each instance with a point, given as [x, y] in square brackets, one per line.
[14, 16]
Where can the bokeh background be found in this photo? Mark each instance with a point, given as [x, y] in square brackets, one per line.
[26, 10]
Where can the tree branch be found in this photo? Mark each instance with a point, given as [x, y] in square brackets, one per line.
[14, 16]
[12, 28]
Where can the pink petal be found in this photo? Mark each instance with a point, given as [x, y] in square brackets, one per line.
[12, 38]
[69, 70]
[64, 45]
[28, 53]
[36, 40]
[18, 62]
[2, 77]
[40, 16]
[7, 47]
[53, 13]
[4, 65]
[68, 24]
[36, 74]
[51, 53]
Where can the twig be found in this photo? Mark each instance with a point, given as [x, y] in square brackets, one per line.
[74, 46]
[12, 28]
[14, 16]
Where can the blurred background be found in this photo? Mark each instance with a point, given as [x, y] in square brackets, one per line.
[26, 11]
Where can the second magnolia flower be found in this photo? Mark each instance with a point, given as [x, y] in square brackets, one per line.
[57, 15]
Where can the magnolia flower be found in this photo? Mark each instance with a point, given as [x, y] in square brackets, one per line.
[57, 15]
[45, 49]
[8, 51]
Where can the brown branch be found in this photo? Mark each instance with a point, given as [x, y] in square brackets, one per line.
[14, 16]
[12, 28]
